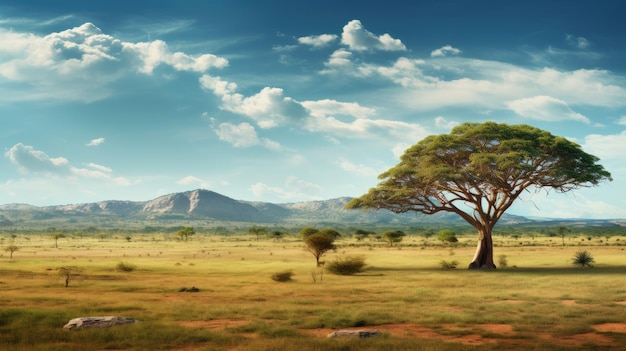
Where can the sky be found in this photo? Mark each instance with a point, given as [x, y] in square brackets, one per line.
[288, 101]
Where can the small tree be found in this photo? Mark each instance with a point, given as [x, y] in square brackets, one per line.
[393, 236]
[361, 234]
[56, 236]
[318, 244]
[185, 233]
[11, 249]
[277, 235]
[258, 231]
[447, 236]
[562, 231]
[68, 273]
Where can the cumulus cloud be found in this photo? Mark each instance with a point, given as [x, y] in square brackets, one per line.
[84, 59]
[357, 38]
[193, 181]
[445, 51]
[545, 108]
[606, 147]
[96, 142]
[358, 169]
[243, 135]
[622, 120]
[31, 161]
[317, 41]
[27, 159]
[269, 108]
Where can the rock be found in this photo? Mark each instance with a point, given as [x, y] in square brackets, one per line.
[360, 333]
[97, 322]
[192, 289]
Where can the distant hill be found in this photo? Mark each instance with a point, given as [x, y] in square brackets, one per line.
[209, 206]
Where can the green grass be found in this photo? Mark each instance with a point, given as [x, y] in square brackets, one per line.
[539, 292]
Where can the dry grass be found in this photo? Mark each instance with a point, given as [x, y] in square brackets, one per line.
[239, 307]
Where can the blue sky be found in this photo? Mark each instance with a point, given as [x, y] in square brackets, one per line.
[285, 101]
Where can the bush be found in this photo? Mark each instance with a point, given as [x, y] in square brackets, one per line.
[282, 277]
[448, 265]
[347, 266]
[125, 267]
[583, 259]
[502, 261]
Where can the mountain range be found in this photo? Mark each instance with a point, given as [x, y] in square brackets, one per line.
[209, 206]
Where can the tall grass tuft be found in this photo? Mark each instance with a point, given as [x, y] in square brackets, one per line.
[583, 259]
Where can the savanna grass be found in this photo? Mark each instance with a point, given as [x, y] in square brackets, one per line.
[540, 291]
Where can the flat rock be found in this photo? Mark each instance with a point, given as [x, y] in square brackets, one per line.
[360, 333]
[97, 322]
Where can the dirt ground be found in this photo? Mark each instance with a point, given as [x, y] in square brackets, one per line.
[478, 335]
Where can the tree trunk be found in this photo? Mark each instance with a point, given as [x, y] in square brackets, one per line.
[483, 258]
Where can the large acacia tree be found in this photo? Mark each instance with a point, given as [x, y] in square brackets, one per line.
[477, 172]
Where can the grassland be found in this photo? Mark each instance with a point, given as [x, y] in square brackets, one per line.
[540, 301]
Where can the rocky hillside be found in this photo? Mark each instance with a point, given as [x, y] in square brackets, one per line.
[208, 205]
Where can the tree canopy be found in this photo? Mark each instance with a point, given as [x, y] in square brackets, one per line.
[477, 172]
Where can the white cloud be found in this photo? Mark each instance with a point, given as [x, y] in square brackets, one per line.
[445, 51]
[79, 63]
[31, 161]
[545, 108]
[441, 122]
[318, 41]
[243, 135]
[606, 147]
[27, 159]
[193, 181]
[269, 108]
[100, 168]
[622, 121]
[329, 107]
[356, 37]
[360, 169]
[96, 142]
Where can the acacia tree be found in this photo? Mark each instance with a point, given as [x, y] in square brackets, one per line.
[186, 232]
[393, 236]
[258, 231]
[477, 172]
[318, 244]
[56, 236]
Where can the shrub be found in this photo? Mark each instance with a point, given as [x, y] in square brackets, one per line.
[583, 259]
[347, 266]
[125, 267]
[282, 277]
[502, 261]
[448, 265]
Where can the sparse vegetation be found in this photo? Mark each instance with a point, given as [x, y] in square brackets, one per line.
[447, 236]
[283, 276]
[125, 267]
[237, 306]
[11, 249]
[393, 236]
[448, 264]
[346, 266]
[582, 259]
